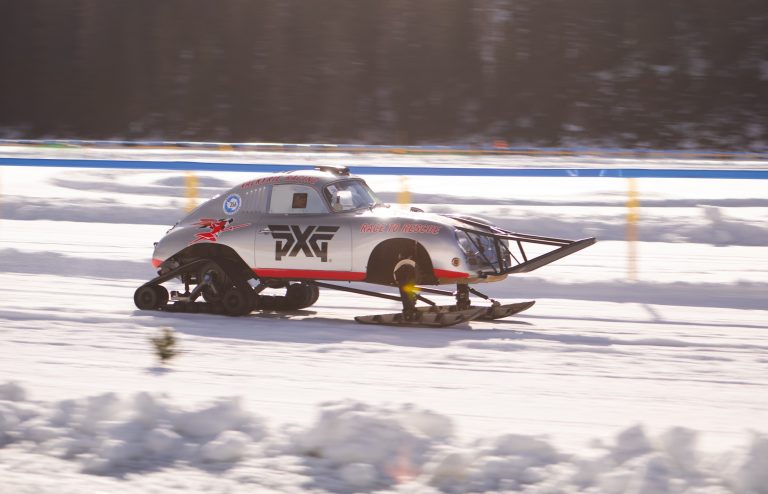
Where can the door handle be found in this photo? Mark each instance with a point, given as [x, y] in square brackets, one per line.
[265, 231]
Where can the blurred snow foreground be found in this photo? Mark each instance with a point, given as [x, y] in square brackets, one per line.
[129, 444]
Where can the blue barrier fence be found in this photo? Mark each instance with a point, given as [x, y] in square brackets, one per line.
[477, 171]
[499, 147]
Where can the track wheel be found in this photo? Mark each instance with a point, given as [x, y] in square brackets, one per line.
[314, 292]
[237, 302]
[216, 282]
[301, 295]
[150, 297]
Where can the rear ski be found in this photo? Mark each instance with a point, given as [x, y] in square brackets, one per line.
[437, 316]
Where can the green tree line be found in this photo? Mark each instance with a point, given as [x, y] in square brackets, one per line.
[653, 73]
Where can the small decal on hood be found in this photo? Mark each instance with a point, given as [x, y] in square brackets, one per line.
[215, 228]
[232, 203]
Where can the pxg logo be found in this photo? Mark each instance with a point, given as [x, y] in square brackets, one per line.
[312, 241]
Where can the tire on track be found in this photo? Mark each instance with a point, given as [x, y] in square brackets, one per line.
[220, 281]
[237, 302]
[301, 295]
[150, 297]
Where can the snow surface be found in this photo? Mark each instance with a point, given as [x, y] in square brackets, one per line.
[607, 385]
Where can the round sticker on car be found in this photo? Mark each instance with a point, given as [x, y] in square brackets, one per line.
[232, 203]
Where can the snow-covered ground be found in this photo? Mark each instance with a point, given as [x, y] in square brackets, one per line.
[607, 385]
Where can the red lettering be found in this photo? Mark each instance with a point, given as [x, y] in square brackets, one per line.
[260, 181]
[372, 228]
[420, 229]
[300, 179]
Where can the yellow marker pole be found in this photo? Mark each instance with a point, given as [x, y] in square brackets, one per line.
[191, 190]
[404, 196]
[633, 215]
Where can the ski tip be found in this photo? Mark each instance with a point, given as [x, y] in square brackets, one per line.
[506, 310]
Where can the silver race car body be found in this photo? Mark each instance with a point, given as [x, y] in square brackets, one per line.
[301, 228]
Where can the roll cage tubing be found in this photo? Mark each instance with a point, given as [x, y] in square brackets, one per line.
[565, 247]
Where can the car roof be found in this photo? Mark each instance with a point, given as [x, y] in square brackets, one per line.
[320, 176]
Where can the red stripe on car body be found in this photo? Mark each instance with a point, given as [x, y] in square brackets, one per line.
[445, 273]
[310, 274]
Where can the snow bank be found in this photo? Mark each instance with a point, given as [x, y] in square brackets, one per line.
[107, 434]
[351, 447]
[371, 446]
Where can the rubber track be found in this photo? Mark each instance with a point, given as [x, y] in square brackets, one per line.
[264, 303]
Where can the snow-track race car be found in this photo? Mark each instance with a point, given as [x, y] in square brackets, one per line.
[298, 230]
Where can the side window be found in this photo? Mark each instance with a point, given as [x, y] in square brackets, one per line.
[255, 200]
[296, 199]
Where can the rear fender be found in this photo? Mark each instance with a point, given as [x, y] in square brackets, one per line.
[217, 252]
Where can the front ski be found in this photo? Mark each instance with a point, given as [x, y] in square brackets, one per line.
[506, 310]
[437, 317]
[447, 315]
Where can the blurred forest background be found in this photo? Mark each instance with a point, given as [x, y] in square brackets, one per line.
[630, 73]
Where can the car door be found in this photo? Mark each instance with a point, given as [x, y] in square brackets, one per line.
[298, 237]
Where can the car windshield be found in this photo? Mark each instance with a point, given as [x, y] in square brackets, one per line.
[349, 195]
